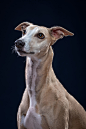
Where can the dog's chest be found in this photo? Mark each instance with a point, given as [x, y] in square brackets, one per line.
[32, 119]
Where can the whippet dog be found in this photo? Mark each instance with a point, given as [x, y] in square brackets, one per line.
[45, 103]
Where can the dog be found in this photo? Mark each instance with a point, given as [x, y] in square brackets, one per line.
[45, 103]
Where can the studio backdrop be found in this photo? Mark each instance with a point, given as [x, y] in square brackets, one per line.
[69, 61]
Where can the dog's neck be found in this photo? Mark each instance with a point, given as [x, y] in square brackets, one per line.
[38, 73]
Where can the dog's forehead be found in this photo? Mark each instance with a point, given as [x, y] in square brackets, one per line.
[36, 28]
[31, 27]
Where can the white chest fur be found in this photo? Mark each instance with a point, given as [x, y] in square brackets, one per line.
[32, 120]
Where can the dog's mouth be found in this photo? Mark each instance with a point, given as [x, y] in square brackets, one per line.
[23, 52]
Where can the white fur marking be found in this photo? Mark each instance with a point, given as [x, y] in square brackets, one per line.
[22, 120]
[28, 37]
[32, 120]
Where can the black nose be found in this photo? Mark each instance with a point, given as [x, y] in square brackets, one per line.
[19, 43]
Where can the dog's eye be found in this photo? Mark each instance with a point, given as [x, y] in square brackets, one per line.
[40, 35]
[24, 32]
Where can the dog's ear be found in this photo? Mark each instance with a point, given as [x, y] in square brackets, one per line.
[58, 33]
[23, 25]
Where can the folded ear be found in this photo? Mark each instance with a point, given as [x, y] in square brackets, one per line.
[58, 33]
[23, 25]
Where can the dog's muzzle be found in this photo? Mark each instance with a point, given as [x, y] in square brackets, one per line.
[19, 43]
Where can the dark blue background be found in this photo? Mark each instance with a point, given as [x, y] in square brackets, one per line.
[69, 53]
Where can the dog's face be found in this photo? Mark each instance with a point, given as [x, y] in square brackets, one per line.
[36, 40]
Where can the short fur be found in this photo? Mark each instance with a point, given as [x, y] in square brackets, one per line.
[45, 103]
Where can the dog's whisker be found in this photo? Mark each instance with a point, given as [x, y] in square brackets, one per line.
[13, 47]
[12, 50]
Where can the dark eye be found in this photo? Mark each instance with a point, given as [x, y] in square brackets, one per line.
[40, 35]
[24, 32]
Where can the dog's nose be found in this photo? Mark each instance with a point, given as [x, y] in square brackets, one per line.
[19, 43]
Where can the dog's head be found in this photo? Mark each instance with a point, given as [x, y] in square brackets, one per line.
[36, 39]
